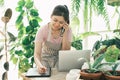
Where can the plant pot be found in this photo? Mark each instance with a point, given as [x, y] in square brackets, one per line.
[90, 76]
[109, 77]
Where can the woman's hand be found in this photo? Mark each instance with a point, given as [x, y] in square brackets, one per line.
[66, 27]
[42, 69]
[66, 45]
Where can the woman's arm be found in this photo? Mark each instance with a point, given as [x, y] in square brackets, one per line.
[37, 53]
[66, 44]
[37, 57]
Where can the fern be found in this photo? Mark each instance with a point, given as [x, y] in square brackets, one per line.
[75, 7]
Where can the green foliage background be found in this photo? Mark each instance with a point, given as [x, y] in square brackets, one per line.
[27, 24]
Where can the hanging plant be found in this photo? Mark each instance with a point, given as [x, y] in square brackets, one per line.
[1, 3]
[27, 24]
[89, 6]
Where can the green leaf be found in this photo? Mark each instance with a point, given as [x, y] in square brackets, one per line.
[21, 3]
[19, 19]
[114, 67]
[29, 53]
[21, 27]
[15, 59]
[12, 37]
[34, 12]
[38, 18]
[21, 33]
[1, 3]
[31, 38]
[25, 40]
[29, 4]
[77, 44]
[34, 23]
[98, 60]
[112, 53]
[19, 52]
[75, 21]
[29, 29]
[32, 59]
[19, 9]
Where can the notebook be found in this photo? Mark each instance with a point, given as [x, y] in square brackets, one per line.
[32, 72]
[70, 59]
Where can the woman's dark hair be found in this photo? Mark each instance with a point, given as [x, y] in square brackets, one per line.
[61, 10]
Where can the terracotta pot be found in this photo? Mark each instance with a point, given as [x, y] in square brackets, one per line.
[90, 76]
[109, 77]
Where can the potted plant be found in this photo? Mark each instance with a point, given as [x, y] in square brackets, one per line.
[113, 74]
[93, 71]
[112, 46]
[111, 54]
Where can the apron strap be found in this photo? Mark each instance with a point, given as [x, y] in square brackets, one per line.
[49, 34]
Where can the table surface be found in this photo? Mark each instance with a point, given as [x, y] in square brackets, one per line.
[55, 75]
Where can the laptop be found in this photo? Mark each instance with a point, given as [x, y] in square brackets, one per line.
[33, 72]
[70, 59]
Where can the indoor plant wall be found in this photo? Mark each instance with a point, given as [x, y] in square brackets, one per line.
[86, 8]
[27, 24]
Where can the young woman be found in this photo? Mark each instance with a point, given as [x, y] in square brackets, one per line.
[52, 37]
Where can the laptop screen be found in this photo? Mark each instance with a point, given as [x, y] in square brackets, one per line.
[69, 59]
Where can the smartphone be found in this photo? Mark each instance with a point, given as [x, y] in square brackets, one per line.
[62, 31]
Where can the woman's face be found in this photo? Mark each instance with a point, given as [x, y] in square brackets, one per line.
[57, 22]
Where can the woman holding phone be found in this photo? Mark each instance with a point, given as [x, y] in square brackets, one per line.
[54, 36]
